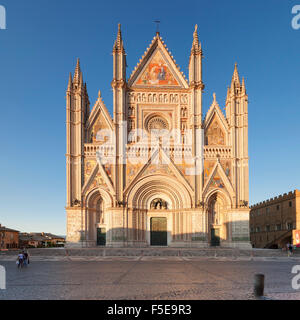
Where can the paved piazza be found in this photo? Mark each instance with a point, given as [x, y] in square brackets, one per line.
[147, 278]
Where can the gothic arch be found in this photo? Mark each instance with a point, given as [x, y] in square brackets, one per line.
[217, 205]
[94, 195]
[144, 191]
[223, 194]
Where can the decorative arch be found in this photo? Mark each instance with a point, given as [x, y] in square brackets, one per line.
[94, 195]
[159, 186]
[217, 204]
[222, 193]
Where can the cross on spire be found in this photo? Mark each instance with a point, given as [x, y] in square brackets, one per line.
[157, 22]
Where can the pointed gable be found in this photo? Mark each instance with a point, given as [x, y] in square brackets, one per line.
[157, 72]
[218, 179]
[99, 119]
[214, 135]
[158, 164]
[215, 125]
[157, 68]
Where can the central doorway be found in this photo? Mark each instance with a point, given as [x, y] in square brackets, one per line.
[159, 235]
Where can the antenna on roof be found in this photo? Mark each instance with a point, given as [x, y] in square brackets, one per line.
[157, 25]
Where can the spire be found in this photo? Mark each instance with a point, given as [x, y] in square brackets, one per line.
[77, 73]
[70, 83]
[196, 45]
[119, 42]
[235, 77]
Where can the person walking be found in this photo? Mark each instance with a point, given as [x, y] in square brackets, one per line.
[288, 249]
[291, 249]
[26, 257]
[20, 260]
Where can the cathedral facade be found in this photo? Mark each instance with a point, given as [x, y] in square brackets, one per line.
[157, 172]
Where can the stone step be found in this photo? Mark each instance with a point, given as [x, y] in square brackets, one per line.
[168, 252]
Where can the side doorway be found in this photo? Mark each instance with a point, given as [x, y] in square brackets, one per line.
[215, 237]
[101, 236]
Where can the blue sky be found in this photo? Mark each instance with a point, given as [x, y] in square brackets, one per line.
[40, 47]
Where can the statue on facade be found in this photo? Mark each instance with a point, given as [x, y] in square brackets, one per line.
[158, 204]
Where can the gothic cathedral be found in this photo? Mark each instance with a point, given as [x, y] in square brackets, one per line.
[157, 173]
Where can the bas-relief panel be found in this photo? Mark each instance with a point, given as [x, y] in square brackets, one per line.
[157, 73]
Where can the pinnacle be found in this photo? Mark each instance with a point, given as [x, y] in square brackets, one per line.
[235, 77]
[77, 72]
[196, 45]
[119, 42]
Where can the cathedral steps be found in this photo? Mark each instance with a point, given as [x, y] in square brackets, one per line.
[152, 252]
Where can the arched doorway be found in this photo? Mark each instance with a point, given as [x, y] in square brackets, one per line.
[157, 206]
[95, 221]
[216, 219]
[158, 225]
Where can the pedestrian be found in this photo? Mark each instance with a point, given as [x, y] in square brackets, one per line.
[291, 249]
[288, 248]
[26, 257]
[20, 260]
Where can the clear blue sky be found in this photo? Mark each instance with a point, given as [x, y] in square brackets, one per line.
[40, 47]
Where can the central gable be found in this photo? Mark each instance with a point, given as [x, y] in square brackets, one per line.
[157, 68]
[157, 72]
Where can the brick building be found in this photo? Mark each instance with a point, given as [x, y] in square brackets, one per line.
[272, 221]
[9, 238]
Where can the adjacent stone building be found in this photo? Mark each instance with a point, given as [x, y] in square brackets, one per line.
[38, 240]
[272, 221]
[9, 238]
[157, 171]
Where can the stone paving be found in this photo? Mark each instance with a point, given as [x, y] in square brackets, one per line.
[154, 278]
[152, 251]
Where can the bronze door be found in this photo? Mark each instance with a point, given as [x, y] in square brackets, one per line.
[101, 236]
[158, 232]
[215, 237]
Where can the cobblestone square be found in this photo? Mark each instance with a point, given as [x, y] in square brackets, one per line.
[147, 278]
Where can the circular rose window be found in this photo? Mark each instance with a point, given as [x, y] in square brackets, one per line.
[157, 123]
